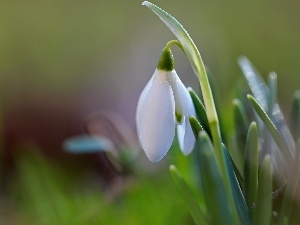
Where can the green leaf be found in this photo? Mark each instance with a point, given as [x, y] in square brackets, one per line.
[251, 167]
[263, 207]
[200, 111]
[214, 190]
[291, 188]
[194, 208]
[266, 98]
[236, 190]
[196, 126]
[283, 129]
[272, 129]
[276, 115]
[255, 81]
[237, 193]
[241, 125]
[295, 121]
[273, 91]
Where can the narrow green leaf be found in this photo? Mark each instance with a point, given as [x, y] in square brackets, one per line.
[272, 129]
[255, 81]
[241, 125]
[269, 146]
[251, 167]
[196, 126]
[263, 207]
[200, 111]
[283, 129]
[295, 121]
[194, 208]
[273, 91]
[236, 190]
[277, 118]
[213, 185]
[276, 115]
[266, 99]
[291, 188]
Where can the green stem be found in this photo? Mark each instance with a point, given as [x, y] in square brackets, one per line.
[174, 42]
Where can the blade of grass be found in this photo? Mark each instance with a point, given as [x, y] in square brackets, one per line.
[273, 91]
[295, 121]
[251, 167]
[237, 193]
[213, 185]
[200, 111]
[272, 128]
[267, 98]
[255, 81]
[194, 208]
[276, 115]
[291, 187]
[283, 129]
[241, 125]
[263, 207]
[236, 190]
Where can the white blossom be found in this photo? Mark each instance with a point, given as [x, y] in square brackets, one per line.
[164, 104]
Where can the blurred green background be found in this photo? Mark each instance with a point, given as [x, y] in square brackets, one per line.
[61, 61]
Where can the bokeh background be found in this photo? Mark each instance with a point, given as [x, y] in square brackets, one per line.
[68, 67]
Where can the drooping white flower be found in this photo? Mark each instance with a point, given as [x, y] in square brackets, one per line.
[164, 103]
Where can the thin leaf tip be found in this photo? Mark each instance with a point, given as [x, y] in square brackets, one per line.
[146, 3]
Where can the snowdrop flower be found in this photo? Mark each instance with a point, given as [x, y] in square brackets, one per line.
[164, 104]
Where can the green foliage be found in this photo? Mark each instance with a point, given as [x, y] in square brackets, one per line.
[200, 111]
[263, 205]
[214, 189]
[251, 167]
[46, 193]
[195, 210]
[241, 124]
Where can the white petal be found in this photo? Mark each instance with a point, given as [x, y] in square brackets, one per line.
[141, 99]
[173, 79]
[186, 137]
[185, 134]
[185, 99]
[156, 117]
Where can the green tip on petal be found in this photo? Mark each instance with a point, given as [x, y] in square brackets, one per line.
[166, 60]
[179, 117]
